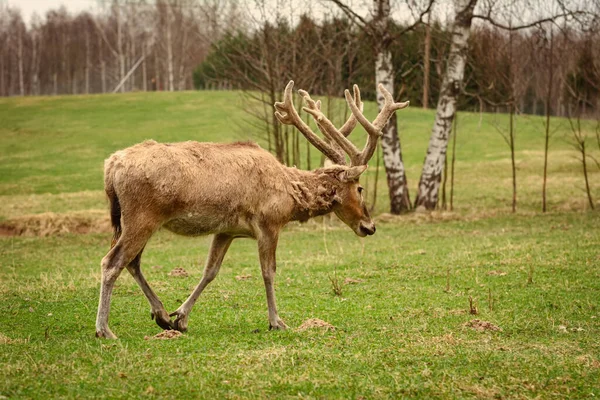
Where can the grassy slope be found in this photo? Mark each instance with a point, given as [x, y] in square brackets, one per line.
[56, 145]
[399, 332]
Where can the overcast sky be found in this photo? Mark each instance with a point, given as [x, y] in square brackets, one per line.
[28, 7]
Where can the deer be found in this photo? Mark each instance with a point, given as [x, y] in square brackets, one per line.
[236, 190]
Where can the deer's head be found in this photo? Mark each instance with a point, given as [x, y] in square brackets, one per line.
[348, 201]
[349, 205]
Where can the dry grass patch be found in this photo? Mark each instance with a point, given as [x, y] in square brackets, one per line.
[588, 361]
[7, 340]
[481, 392]
[47, 224]
[19, 205]
[420, 217]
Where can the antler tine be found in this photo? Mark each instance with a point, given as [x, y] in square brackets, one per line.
[328, 129]
[374, 129]
[350, 124]
[286, 114]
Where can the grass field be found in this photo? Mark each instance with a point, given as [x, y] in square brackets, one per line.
[401, 319]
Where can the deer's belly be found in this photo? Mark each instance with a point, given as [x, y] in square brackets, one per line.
[193, 224]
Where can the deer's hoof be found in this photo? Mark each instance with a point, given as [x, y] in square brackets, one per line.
[105, 333]
[279, 326]
[181, 322]
[162, 319]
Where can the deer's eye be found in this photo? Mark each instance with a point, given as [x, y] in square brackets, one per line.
[360, 189]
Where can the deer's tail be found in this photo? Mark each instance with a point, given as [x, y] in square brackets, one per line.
[115, 206]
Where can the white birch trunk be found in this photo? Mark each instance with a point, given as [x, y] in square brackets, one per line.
[35, 55]
[144, 71]
[132, 57]
[156, 70]
[120, 54]
[182, 75]
[2, 84]
[87, 60]
[20, 62]
[169, 50]
[426, 64]
[428, 189]
[390, 142]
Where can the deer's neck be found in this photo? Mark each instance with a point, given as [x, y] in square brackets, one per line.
[313, 193]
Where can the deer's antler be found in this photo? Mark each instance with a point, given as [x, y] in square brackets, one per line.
[373, 129]
[286, 114]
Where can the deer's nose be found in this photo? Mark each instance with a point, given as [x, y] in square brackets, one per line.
[368, 229]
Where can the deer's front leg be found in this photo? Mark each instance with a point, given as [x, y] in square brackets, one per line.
[267, 246]
[218, 248]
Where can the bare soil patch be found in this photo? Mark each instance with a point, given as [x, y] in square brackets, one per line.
[164, 335]
[352, 281]
[179, 272]
[315, 323]
[482, 326]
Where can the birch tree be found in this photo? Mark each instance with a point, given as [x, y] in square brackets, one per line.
[429, 183]
[427, 194]
[378, 29]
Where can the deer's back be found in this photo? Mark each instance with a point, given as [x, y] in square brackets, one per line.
[198, 188]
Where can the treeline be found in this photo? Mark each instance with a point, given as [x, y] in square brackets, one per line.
[330, 55]
[126, 46]
[181, 44]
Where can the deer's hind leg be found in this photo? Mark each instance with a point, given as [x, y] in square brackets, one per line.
[158, 313]
[128, 247]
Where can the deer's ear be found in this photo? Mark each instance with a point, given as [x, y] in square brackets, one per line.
[352, 173]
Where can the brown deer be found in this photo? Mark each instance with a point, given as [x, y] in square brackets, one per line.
[232, 191]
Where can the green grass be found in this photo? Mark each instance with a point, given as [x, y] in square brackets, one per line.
[399, 331]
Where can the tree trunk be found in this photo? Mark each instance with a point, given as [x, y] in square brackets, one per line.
[585, 175]
[20, 62]
[35, 55]
[120, 54]
[102, 65]
[144, 71]
[426, 64]
[453, 162]
[87, 60]
[377, 165]
[513, 164]
[132, 59]
[548, 110]
[428, 189]
[156, 70]
[169, 50]
[2, 84]
[390, 142]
